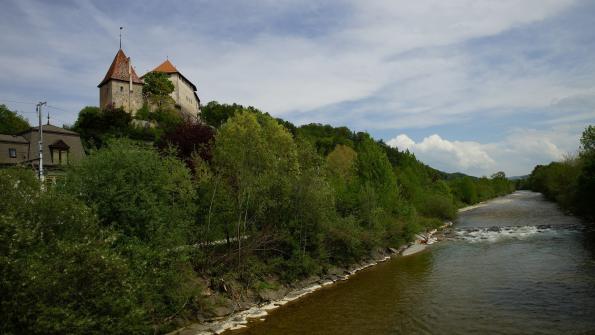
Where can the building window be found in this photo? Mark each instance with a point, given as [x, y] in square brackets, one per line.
[12, 152]
[121, 88]
[59, 156]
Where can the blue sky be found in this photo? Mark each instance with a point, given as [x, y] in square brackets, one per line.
[470, 86]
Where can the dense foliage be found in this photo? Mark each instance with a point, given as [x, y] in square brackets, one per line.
[157, 89]
[189, 139]
[12, 123]
[117, 245]
[570, 183]
[97, 126]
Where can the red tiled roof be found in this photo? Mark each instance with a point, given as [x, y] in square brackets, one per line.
[166, 67]
[119, 70]
[169, 68]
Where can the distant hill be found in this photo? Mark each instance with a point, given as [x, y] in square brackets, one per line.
[518, 177]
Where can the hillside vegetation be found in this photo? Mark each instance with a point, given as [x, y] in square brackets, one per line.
[570, 183]
[195, 217]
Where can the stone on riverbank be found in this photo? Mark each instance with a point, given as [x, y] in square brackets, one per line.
[415, 248]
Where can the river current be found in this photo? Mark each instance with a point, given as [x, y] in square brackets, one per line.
[516, 265]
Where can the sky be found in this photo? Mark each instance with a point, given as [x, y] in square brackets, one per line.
[469, 86]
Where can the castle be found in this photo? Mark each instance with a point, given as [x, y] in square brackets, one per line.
[122, 88]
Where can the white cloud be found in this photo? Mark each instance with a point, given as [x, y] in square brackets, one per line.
[517, 154]
[402, 142]
[457, 155]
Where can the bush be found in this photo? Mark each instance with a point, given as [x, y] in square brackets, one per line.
[136, 191]
[58, 272]
[437, 205]
[150, 200]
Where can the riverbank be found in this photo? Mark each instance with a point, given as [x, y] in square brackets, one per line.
[259, 311]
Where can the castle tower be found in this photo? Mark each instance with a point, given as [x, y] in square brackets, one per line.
[184, 93]
[121, 87]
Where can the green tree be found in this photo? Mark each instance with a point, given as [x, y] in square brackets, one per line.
[374, 169]
[499, 175]
[136, 190]
[341, 162]
[588, 139]
[216, 114]
[586, 180]
[257, 159]
[96, 126]
[149, 199]
[12, 123]
[157, 89]
[58, 270]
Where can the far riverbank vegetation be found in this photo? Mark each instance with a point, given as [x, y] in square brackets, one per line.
[159, 226]
[571, 182]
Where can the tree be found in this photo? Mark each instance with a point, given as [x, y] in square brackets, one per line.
[96, 126]
[373, 165]
[257, 159]
[12, 123]
[216, 114]
[190, 138]
[136, 190]
[586, 179]
[588, 140]
[149, 200]
[341, 161]
[499, 175]
[157, 89]
[58, 270]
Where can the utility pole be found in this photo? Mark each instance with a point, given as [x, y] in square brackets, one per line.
[39, 113]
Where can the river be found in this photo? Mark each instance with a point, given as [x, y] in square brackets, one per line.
[516, 265]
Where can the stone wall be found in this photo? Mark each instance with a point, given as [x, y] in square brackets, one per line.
[116, 93]
[183, 95]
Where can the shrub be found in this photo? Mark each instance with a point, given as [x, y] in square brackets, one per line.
[58, 272]
[136, 191]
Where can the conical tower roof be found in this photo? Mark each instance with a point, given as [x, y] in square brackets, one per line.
[119, 70]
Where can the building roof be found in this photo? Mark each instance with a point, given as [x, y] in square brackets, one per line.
[59, 144]
[166, 67]
[119, 70]
[169, 68]
[53, 129]
[13, 139]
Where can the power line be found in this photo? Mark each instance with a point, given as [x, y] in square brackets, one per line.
[19, 102]
[35, 103]
[32, 103]
[57, 108]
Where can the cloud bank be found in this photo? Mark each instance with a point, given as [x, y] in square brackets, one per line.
[521, 148]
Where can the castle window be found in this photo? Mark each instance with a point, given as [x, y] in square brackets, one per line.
[121, 88]
[12, 152]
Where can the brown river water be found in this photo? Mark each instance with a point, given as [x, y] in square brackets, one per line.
[517, 265]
